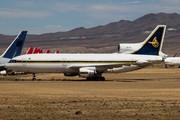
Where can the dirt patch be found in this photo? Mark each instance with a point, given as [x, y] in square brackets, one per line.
[144, 94]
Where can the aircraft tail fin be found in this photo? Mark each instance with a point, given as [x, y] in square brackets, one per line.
[35, 51]
[48, 51]
[57, 52]
[41, 51]
[153, 43]
[30, 50]
[175, 55]
[16, 46]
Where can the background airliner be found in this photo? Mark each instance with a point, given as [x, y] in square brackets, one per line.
[172, 61]
[13, 50]
[91, 66]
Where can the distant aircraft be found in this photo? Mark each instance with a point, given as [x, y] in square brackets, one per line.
[48, 51]
[30, 51]
[91, 66]
[13, 50]
[57, 52]
[172, 61]
[36, 51]
[175, 55]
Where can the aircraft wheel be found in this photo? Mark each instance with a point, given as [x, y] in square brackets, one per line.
[88, 78]
[34, 77]
[102, 78]
[96, 78]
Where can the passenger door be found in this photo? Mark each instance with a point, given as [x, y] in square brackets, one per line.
[24, 62]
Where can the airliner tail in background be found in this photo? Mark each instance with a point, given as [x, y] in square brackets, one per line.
[16, 46]
[13, 50]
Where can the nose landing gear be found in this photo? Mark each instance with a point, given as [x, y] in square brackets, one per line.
[34, 77]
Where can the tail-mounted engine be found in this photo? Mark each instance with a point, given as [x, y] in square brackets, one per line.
[128, 47]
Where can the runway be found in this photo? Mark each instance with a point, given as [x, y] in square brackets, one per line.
[143, 94]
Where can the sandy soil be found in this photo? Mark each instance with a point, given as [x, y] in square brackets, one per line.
[143, 94]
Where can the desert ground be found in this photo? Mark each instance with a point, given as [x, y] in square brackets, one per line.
[151, 93]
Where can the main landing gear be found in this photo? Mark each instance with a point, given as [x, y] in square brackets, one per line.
[97, 77]
[34, 77]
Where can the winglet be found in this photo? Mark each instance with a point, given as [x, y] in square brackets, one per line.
[16, 46]
[153, 43]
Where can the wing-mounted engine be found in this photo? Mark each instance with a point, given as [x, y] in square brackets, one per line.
[86, 72]
[128, 47]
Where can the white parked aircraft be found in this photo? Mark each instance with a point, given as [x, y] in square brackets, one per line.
[172, 61]
[92, 66]
[13, 50]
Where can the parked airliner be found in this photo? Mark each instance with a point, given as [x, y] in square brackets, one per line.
[91, 66]
[13, 50]
[172, 61]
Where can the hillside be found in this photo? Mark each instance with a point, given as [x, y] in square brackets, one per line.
[102, 39]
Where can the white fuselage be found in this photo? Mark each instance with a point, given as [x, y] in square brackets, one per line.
[172, 61]
[3, 61]
[70, 63]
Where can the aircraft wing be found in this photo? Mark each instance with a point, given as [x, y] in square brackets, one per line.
[143, 63]
[96, 65]
[109, 66]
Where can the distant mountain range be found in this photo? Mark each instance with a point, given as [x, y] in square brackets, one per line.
[105, 39]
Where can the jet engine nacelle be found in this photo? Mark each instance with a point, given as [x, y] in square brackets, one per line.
[3, 72]
[85, 72]
[128, 47]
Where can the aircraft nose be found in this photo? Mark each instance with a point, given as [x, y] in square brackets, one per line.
[8, 66]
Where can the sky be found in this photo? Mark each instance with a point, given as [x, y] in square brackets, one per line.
[50, 16]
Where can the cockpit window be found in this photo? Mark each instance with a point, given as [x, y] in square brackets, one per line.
[12, 61]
